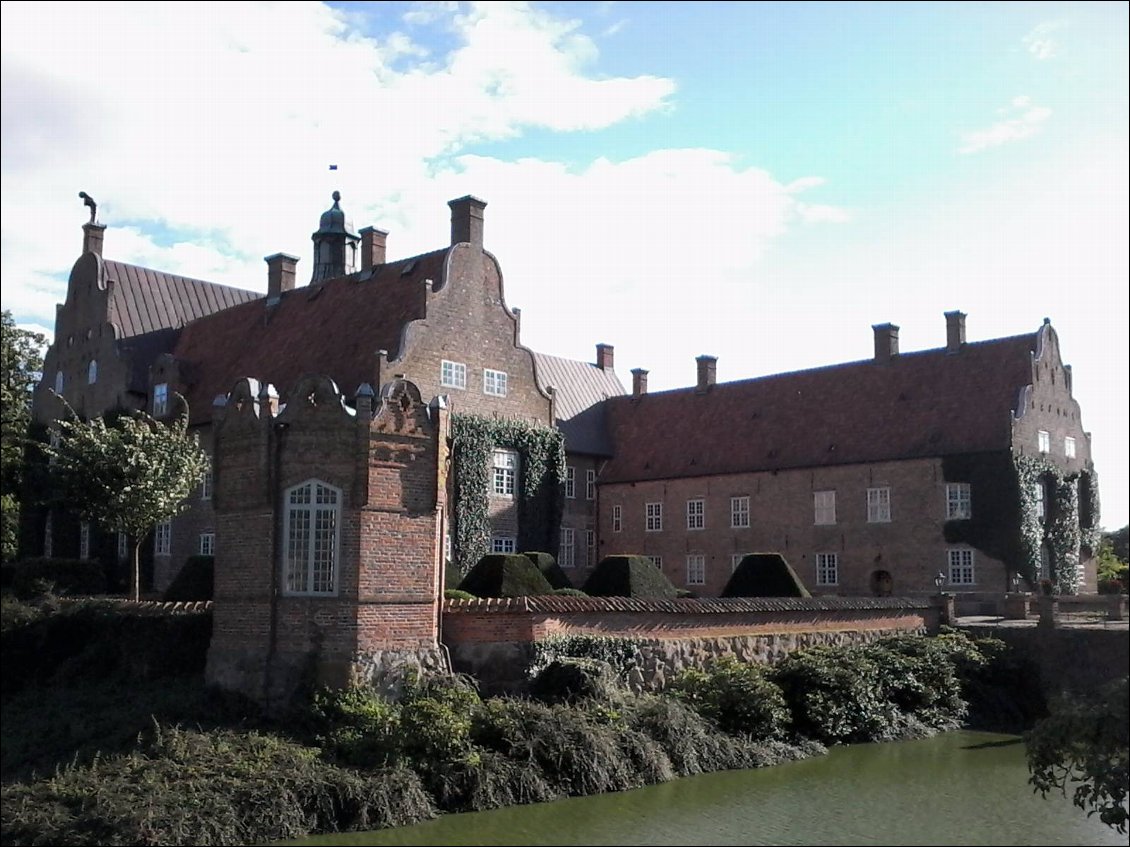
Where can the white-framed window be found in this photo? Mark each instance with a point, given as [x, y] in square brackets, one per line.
[1069, 447]
[696, 514]
[617, 518]
[570, 482]
[207, 482]
[961, 566]
[1039, 494]
[49, 536]
[824, 507]
[123, 546]
[311, 535]
[735, 560]
[878, 505]
[494, 383]
[565, 555]
[452, 374]
[84, 540]
[163, 539]
[959, 501]
[696, 569]
[1044, 441]
[739, 512]
[59, 382]
[590, 547]
[92, 372]
[503, 544]
[160, 399]
[207, 544]
[653, 517]
[657, 561]
[505, 479]
[827, 568]
[590, 484]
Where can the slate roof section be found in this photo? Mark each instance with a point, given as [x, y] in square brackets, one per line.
[581, 389]
[144, 300]
[333, 328]
[923, 404]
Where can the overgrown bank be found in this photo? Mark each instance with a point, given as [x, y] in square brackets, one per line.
[212, 771]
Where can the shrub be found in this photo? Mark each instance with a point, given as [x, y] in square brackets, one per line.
[456, 594]
[550, 569]
[193, 582]
[435, 721]
[505, 575]
[621, 654]
[569, 680]
[764, 575]
[628, 576]
[738, 696]
[918, 675]
[569, 592]
[65, 577]
[356, 726]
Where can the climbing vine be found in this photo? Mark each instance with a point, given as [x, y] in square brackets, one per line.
[1061, 529]
[541, 452]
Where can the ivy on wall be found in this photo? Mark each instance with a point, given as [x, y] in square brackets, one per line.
[1061, 529]
[541, 452]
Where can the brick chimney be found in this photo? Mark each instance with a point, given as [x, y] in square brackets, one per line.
[280, 275]
[373, 243]
[92, 238]
[886, 342]
[707, 371]
[604, 356]
[639, 382]
[955, 331]
[467, 220]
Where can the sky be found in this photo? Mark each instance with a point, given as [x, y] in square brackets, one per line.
[761, 182]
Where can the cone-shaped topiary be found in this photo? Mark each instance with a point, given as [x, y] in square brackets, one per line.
[505, 575]
[628, 576]
[764, 575]
[550, 569]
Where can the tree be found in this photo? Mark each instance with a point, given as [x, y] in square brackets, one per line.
[127, 477]
[1084, 743]
[21, 360]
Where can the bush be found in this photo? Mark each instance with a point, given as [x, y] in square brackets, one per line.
[569, 592]
[193, 582]
[628, 576]
[621, 653]
[550, 569]
[356, 726]
[570, 680]
[435, 721]
[456, 594]
[918, 675]
[187, 787]
[739, 697]
[764, 575]
[65, 577]
[505, 575]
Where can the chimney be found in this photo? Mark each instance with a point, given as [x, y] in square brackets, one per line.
[604, 355]
[707, 371]
[280, 275]
[955, 331]
[639, 382]
[467, 220]
[92, 238]
[373, 243]
[886, 342]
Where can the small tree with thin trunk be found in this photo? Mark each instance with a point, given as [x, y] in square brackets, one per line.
[129, 476]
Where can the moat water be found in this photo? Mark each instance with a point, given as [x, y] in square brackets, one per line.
[959, 788]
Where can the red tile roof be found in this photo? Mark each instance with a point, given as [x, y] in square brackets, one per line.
[929, 403]
[333, 328]
[143, 300]
[549, 604]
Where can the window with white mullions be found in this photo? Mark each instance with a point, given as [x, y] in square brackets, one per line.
[313, 515]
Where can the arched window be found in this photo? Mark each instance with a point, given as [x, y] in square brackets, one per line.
[312, 538]
[92, 372]
[58, 382]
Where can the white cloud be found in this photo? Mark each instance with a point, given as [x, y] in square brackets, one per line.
[1021, 120]
[1039, 41]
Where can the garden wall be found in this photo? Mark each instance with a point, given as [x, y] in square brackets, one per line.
[491, 638]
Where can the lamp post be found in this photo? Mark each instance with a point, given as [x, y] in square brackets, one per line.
[939, 581]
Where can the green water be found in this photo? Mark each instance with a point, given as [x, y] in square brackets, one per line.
[958, 788]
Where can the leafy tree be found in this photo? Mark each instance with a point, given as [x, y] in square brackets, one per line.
[1119, 541]
[21, 360]
[129, 476]
[1084, 743]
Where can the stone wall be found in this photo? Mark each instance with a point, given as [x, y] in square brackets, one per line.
[491, 638]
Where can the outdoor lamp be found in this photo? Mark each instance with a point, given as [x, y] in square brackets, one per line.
[939, 580]
[1015, 583]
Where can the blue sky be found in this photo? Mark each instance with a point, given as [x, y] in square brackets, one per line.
[757, 181]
